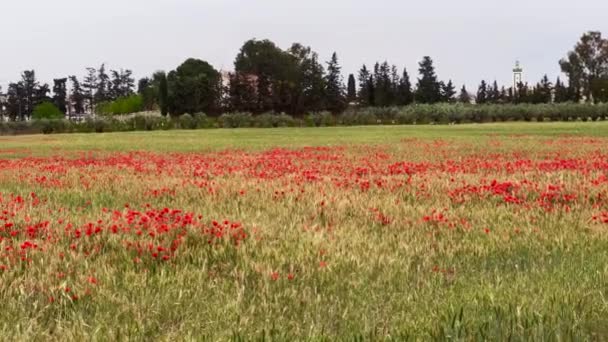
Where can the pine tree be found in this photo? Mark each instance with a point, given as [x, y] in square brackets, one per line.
[544, 90]
[522, 94]
[122, 84]
[371, 91]
[493, 93]
[404, 90]
[315, 86]
[78, 96]
[363, 94]
[428, 88]
[482, 93]
[60, 94]
[352, 88]
[89, 85]
[30, 86]
[382, 75]
[336, 100]
[394, 86]
[504, 98]
[447, 92]
[103, 85]
[41, 95]
[561, 92]
[464, 96]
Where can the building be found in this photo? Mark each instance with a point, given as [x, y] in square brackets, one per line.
[3, 101]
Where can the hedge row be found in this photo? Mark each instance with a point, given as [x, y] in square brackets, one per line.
[417, 114]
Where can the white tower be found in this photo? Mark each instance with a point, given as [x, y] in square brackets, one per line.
[517, 75]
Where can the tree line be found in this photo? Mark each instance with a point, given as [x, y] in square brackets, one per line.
[267, 78]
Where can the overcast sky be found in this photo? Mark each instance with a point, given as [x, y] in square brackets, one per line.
[469, 40]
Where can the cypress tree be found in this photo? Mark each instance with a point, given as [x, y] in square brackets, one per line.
[163, 94]
[352, 88]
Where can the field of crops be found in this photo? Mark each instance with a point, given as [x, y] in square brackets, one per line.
[492, 231]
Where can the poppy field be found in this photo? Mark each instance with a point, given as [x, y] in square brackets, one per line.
[488, 232]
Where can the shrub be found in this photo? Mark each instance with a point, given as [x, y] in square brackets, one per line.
[53, 126]
[47, 110]
[202, 121]
[320, 119]
[186, 121]
[123, 105]
[235, 120]
[364, 117]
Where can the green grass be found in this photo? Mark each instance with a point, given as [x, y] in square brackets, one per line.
[246, 138]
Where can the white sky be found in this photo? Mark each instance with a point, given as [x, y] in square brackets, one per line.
[469, 40]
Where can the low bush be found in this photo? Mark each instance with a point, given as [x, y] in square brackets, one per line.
[121, 106]
[409, 115]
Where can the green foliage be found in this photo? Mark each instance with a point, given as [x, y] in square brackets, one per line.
[429, 88]
[587, 64]
[320, 119]
[47, 110]
[121, 106]
[235, 120]
[163, 93]
[193, 87]
[274, 120]
[418, 114]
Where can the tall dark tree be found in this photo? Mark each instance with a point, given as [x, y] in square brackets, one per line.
[364, 87]
[16, 102]
[587, 65]
[31, 92]
[493, 93]
[404, 90]
[504, 95]
[522, 93]
[428, 89]
[482, 93]
[163, 92]
[351, 88]
[371, 91]
[560, 92]
[384, 87]
[102, 91]
[242, 93]
[25, 95]
[194, 87]
[89, 85]
[335, 95]
[544, 91]
[41, 95]
[447, 92]
[60, 94]
[271, 70]
[78, 96]
[464, 96]
[148, 92]
[122, 84]
[307, 76]
[315, 85]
